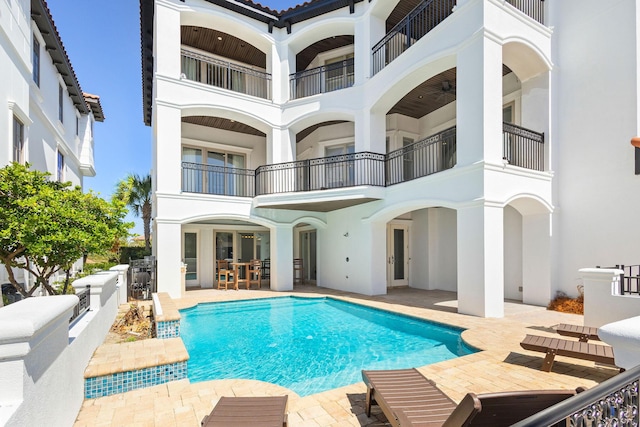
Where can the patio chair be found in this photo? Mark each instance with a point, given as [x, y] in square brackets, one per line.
[225, 275]
[268, 411]
[255, 273]
[298, 271]
[408, 398]
[557, 346]
[584, 333]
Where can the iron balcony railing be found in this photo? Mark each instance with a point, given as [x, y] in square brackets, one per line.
[226, 75]
[613, 402]
[347, 170]
[531, 8]
[221, 180]
[430, 155]
[83, 305]
[425, 157]
[522, 147]
[323, 79]
[629, 279]
[422, 19]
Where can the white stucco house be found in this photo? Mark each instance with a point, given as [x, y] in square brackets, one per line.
[46, 120]
[475, 146]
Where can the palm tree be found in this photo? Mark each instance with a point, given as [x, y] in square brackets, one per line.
[135, 191]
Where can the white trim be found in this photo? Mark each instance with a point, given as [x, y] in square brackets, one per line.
[20, 114]
[198, 143]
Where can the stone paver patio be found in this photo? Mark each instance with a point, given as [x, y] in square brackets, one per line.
[502, 365]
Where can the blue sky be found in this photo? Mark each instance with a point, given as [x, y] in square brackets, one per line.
[102, 39]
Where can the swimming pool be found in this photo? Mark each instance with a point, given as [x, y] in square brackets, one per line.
[308, 345]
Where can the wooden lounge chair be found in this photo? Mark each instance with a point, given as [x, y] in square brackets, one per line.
[584, 333]
[270, 411]
[407, 398]
[556, 346]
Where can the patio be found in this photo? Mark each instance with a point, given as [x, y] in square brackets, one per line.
[503, 365]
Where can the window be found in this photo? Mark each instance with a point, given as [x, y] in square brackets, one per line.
[18, 140]
[213, 172]
[60, 103]
[77, 126]
[339, 171]
[60, 169]
[637, 152]
[35, 59]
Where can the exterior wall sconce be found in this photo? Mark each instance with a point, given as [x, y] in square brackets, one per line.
[635, 141]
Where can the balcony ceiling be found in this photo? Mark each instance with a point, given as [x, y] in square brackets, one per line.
[325, 206]
[401, 10]
[308, 131]
[223, 44]
[224, 124]
[431, 95]
[304, 58]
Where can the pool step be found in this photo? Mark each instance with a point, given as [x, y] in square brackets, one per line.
[117, 368]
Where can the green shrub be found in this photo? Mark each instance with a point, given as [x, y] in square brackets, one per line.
[133, 252]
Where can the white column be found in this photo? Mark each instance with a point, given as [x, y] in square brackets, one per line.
[374, 245]
[282, 258]
[368, 31]
[166, 151]
[479, 101]
[281, 67]
[281, 146]
[480, 261]
[166, 41]
[370, 128]
[169, 256]
[536, 259]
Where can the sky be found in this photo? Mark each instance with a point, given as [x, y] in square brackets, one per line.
[102, 39]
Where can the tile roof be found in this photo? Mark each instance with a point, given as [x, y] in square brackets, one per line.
[93, 101]
[41, 15]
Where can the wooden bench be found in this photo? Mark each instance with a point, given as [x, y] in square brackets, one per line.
[270, 411]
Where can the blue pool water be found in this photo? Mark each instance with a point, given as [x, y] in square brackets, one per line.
[308, 345]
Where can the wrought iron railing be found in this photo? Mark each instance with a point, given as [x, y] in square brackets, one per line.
[629, 279]
[221, 180]
[613, 402]
[430, 155]
[436, 153]
[83, 305]
[323, 79]
[522, 147]
[531, 8]
[347, 170]
[422, 19]
[226, 75]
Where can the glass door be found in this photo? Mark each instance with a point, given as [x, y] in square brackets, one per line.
[407, 159]
[340, 172]
[308, 252]
[191, 170]
[397, 255]
[224, 248]
[190, 256]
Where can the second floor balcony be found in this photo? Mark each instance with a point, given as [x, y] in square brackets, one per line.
[326, 78]
[436, 153]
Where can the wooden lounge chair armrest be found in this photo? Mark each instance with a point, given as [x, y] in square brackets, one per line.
[465, 412]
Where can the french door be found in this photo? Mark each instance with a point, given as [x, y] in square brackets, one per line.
[397, 255]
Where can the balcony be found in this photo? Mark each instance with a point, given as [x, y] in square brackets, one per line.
[323, 79]
[424, 18]
[226, 75]
[436, 153]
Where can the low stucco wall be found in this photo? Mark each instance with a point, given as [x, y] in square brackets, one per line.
[43, 357]
[602, 300]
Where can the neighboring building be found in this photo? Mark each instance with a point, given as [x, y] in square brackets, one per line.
[475, 146]
[47, 120]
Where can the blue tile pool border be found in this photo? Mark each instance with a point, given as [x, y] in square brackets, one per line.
[121, 382]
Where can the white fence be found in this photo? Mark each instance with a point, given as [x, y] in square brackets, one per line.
[43, 357]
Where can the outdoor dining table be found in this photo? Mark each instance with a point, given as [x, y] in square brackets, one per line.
[236, 277]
